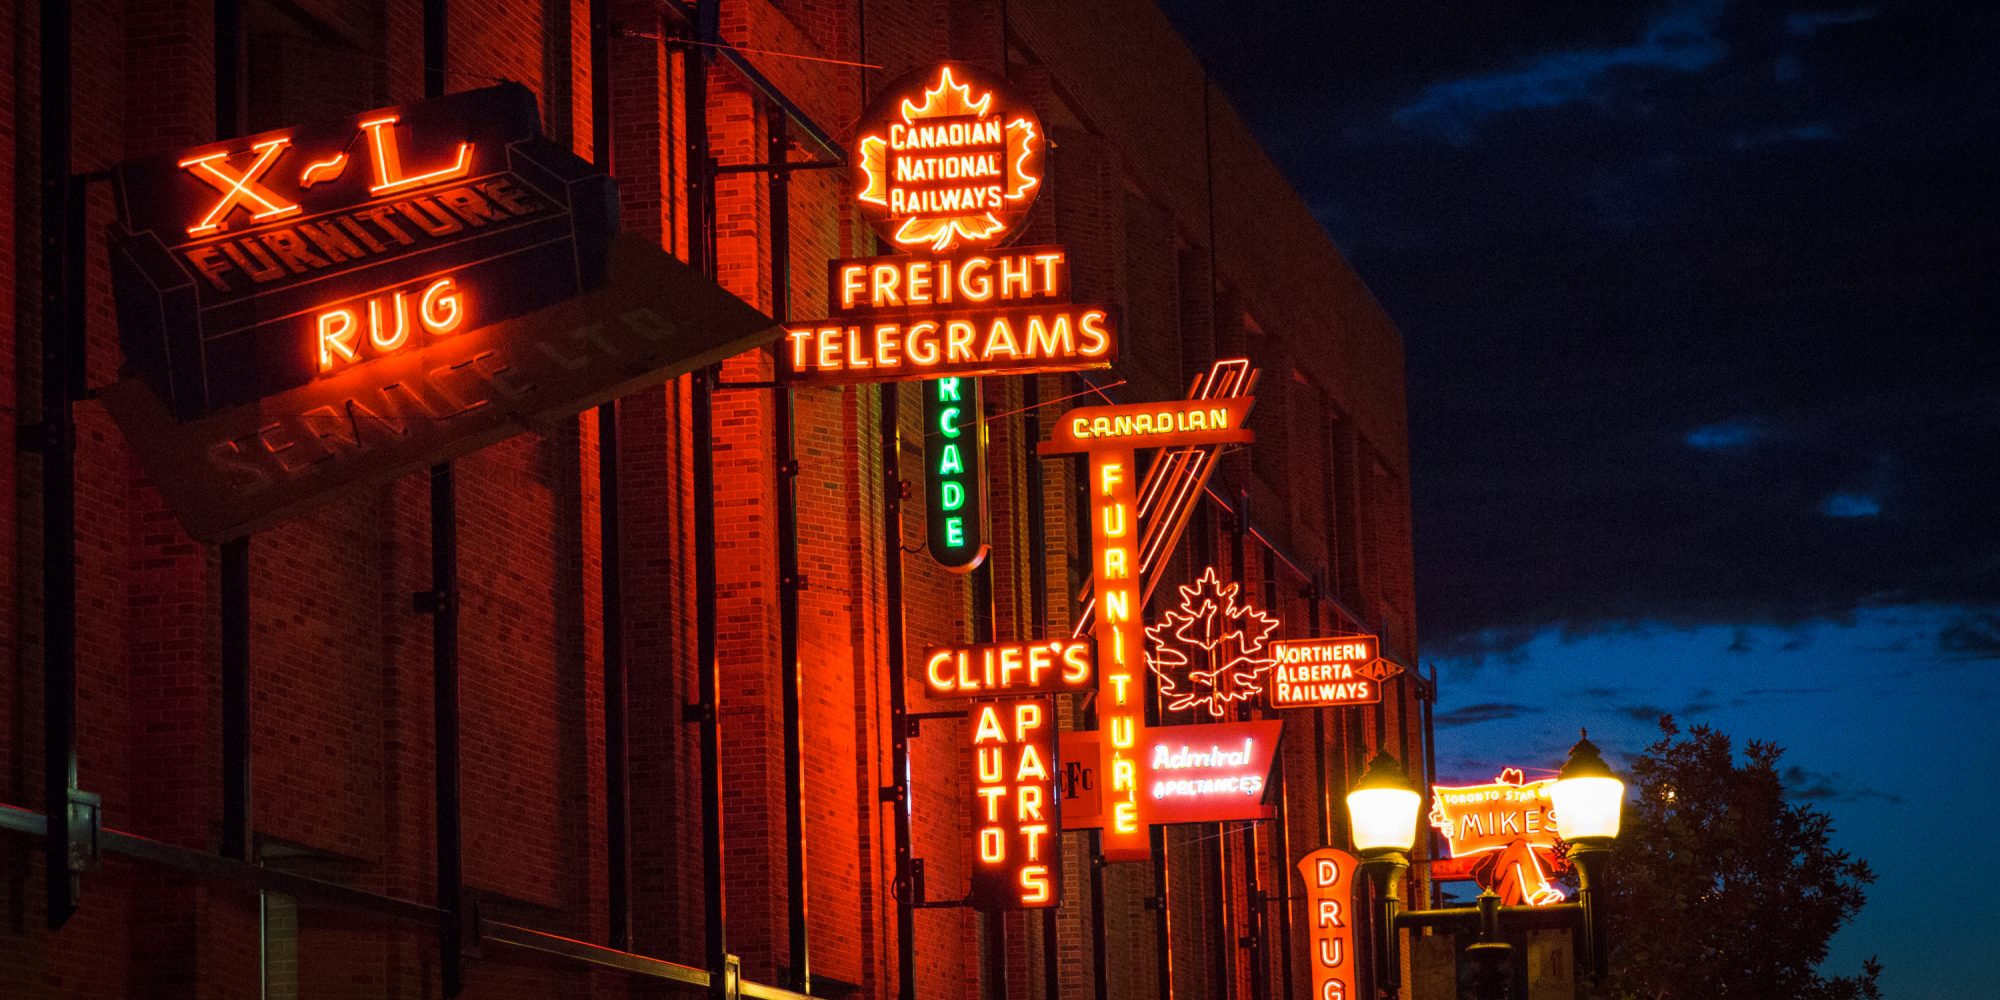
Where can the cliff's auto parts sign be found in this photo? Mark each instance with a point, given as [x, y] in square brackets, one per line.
[311, 308]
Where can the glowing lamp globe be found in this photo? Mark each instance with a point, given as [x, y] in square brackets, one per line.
[1587, 796]
[1382, 808]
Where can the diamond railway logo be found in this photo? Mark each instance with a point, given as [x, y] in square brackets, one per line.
[1211, 651]
[957, 168]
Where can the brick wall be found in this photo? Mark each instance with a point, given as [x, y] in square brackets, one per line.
[341, 663]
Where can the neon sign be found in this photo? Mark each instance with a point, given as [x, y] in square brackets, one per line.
[1015, 805]
[247, 267]
[1329, 878]
[948, 157]
[1328, 673]
[955, 473]
[1204, 773]
[249, 466]
[1509, 828]
[1116, 579]
[949, 164]
[990, 313]
[1211, 652]
[984, 670]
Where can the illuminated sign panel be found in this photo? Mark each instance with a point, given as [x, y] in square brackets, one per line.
[1211, 652]
[1109, 436]
[1329, 878]
[252, 465]
[985, 670]
[1121, 639]
[948, 157]
[1153, 425]
[949, 163]
[1015, 813]
[955, 473]
[990, 312]
[251, 266]
[1509, 826]
[1328, 673]
[1205, 773]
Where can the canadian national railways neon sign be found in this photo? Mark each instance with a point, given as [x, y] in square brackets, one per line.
[250, 266]
[948, 158]
[949, 164]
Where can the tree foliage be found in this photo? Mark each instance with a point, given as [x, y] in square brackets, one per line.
[1722, 888]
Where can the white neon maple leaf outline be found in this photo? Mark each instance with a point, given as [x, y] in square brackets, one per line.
[1233, 639]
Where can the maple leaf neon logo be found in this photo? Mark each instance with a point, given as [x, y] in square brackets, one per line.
[951, 99]
[1220, 648]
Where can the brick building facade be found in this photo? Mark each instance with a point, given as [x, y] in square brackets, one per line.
[1171, 213]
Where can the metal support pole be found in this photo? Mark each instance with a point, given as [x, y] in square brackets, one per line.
[1389, 902]
[898, 793]
[62, 369]
[617, 751]
[708, 677]
[1038, 617]
[1282, 832]
[1590, 860]
[235, 553]
[1255, 915]
[442, 603]
[785, 454]
[1100, 975]
[236, 816]
[1319, 725]
[991, 925]
[708, 684]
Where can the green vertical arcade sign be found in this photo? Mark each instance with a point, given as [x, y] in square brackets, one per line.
[955, 472]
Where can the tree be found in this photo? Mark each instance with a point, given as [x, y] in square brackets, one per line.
[1722, 888]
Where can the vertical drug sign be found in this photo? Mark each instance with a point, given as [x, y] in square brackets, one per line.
[1329, 878]
[955, 472]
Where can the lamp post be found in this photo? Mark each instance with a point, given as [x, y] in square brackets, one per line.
[1382, 809]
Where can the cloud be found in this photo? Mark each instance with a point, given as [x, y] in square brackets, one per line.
[1490, 711]
[1735, 434]
[1974, 637]
[1810, 132]
[1681, 39]
[1643, 713]
[1814, 786]
[1809, 23]
[1850, 505]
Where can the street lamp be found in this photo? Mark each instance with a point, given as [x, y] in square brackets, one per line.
[1588, 800]
[1382, 811]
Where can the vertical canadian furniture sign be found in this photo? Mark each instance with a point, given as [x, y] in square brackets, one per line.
[315, 308]
[1329, 880]
[1141, 788]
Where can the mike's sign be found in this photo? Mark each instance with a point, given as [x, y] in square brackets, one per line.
[336, 304]
[254, 265]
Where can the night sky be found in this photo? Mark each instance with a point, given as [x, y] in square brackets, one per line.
[1704, 402]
